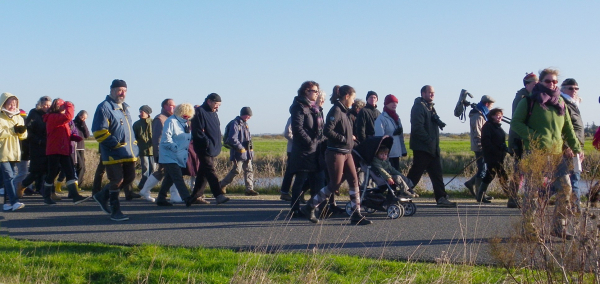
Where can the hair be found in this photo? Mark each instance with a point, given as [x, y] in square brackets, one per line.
[81, 113]
[165, 102]
[55, 108]
[358, 103]
[184, 109]
[383, 149]
[424, 89]
[340, 92]
[41, 101]
[548, 71]
[494, 112]
[305, 86]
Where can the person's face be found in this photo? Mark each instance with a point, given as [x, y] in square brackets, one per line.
[214, 106]
[320, 101]
[143, 114]
[571, 90]
[348, 100]
[46, 106]
[429, 94]
[382, 155]
[83, 117]
[497, 117]
[372, 100]
[245, 117]
[312, 93]
[489, 105]
[11, 104]
[118, 94]
[530, 85]
[186, 117]
[550, 81]
[392, 106]
[169, 107]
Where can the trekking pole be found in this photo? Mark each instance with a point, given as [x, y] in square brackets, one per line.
[461, 171]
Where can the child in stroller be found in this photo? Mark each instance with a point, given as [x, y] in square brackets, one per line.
[383, 168]
[383, 196]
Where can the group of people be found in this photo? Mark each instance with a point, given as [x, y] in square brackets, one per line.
[185, 139]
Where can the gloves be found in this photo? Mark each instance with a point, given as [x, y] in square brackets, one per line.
[20, 129]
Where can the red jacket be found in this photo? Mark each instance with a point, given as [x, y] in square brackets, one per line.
[58, 141]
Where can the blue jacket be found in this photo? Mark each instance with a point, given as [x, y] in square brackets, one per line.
[239, 138]
[112, 128]
[174, 142]
[206, 132]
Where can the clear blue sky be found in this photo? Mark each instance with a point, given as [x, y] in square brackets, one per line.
[257, 53]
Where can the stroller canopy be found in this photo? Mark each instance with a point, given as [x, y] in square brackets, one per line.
[368, 149]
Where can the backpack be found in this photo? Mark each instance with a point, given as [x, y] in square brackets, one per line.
[226, 143]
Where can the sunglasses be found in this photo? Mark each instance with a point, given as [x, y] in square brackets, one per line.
[548, 81]
[573, 88]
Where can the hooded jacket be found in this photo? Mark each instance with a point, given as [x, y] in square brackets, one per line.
[58, 131]
[112, 128]
[206, 131]
[424, 132]
[10, 149]
[306, 136]
[493, 143]
[174, 142]
[239, 138]
[36, 137]
[385, 125]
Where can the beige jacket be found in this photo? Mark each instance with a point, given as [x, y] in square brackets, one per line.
[477, 121]
[10, 149]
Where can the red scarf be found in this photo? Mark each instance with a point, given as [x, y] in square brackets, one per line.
[392, 114]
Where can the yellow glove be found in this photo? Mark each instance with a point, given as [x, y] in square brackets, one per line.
[243, 151]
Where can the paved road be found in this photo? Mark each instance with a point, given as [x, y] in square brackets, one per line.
[259, 224]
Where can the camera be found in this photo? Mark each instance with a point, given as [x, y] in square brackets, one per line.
[436, 119]
[398, 131]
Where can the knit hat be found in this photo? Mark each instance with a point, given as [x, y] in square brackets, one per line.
[371, 93]
[390, 98]
[530, 77]
[146, 109]
[214, 97]
[246, 111]
[569, 82]
[117, 83]
[487, 99]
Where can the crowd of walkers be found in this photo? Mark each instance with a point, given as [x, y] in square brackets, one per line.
[184, 140]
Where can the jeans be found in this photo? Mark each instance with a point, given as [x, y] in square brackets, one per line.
[147, 163]
[8, 174]
[21, 172]
[575, 177]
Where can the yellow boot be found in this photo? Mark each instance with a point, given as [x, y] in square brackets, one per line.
[77, 186]
[20, 190]
[58, 186]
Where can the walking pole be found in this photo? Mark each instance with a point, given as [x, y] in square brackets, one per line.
[462, 171]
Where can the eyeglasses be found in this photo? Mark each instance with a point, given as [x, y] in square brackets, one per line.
[548, 81]
[312, 91]
[573, 88]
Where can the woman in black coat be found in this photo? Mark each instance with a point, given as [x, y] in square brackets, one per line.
[493, 142]
[307, 130]
[36, 129]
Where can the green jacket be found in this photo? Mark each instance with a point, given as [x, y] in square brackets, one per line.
[384, 168]
[424, 132]
[142, 130]
[546, 126]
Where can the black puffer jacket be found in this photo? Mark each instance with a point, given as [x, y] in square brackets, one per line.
[424, 132]
[493, 143]
[338, 129]
[36, 137]
[365, 121]
[306, 136]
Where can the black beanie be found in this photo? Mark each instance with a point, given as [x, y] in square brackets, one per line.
[214, 97]
[117, 83]
[246, 111]
[569, 82]
[146, 109]
[371, 93]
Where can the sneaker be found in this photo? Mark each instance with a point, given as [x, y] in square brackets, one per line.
[285, 197]
[119, 216]
[358, 219]
[17, 206]
[251, 192]
[7, 207]
[443, 202]
[79, 199]
[221, 199]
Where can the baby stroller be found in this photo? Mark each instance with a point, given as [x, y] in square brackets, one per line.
[383, 196]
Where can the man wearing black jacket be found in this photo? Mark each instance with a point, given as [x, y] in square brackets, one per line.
[365, 120]
[206, 136]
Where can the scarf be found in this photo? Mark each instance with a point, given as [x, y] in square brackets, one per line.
[392, 114]
[484, 110]
[10, 113]
[548, 97]
[315, 109]
[569, 99]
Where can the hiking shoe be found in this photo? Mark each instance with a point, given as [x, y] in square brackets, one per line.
[444, 202]
[7, 207]
[163, 202]
[221, 199]
[285, 197]
[78, 199]
[251, 192]
[17, 206]
[119, 216]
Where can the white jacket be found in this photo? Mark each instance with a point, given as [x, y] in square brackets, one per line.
[385, 125]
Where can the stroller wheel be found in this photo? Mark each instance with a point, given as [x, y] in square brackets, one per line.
[409, 208]
[349, 209]
[394, 211]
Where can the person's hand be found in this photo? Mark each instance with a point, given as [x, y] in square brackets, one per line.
[569, 153]
[390, 181]
[20, 129]
[581, 155]
[76, 138]
[354, 138]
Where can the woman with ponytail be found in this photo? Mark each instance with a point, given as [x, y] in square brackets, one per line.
[338, 156]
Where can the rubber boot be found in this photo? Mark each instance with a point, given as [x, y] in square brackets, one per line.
[58, 186]
[47, 194]
[129, 194]
[481, 193]
[151, 182]
[102, 199]
[470, 185]
[359, 219]
[175, 197]
[77, 198]
[115, 206]
[309, 213]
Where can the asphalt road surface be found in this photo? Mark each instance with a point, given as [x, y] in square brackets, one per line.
[259, 224]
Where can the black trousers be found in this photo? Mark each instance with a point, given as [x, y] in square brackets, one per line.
[423, 161]
[206, 174]
[66, 166]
